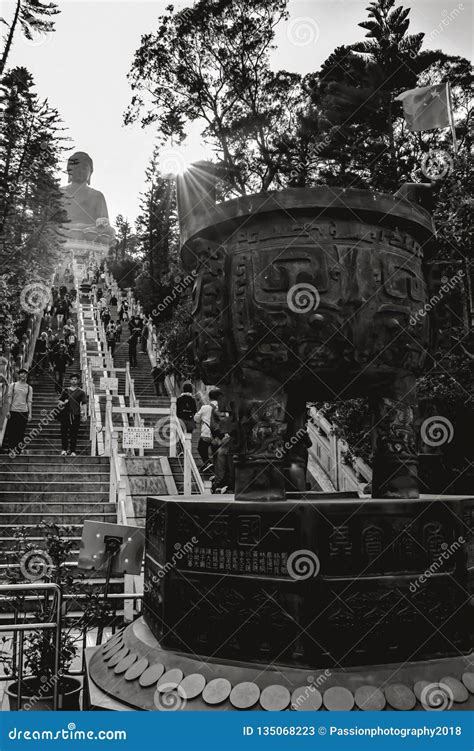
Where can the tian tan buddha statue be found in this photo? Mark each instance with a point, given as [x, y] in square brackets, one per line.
[86, 208]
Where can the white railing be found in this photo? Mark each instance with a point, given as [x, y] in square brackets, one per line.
[329, 452]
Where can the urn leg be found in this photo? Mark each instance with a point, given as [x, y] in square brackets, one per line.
[297, 441]
[395, 466]
[261, 404]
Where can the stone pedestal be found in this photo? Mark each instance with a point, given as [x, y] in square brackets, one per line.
[316, 580]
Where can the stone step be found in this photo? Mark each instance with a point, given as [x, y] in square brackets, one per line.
[48, 496]
[31, 486]
[71, 474]
[10, 522]
[40, 460]
[82, 507]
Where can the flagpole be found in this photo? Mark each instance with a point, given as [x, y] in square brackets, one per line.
[451, 119]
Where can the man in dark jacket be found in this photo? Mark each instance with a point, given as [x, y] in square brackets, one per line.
[132, 348]
[60, 360]
[73, 403]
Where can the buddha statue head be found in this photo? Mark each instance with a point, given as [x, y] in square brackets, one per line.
[80, 168]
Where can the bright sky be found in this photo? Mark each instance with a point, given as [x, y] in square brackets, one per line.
[82, 67]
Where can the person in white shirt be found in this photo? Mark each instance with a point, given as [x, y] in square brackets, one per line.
[204, 419]
[19, 404]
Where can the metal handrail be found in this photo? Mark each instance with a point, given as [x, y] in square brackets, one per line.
[22, 627]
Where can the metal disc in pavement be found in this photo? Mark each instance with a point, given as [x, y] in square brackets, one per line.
[217, 691]
[457, 689]
[118, 656]
[137, 669]
[419, 687]
[400, 696]
[369, 698]
[124, 664]
[151, 674]
[468, 680]
[338, 699]
[275, 698]
[192, 685]
[306, 699]
[244, 695]
[170, 680]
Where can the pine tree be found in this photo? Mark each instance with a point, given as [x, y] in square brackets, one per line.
[33, 17]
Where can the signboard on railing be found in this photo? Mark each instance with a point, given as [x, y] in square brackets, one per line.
[109, 383]
[137, 438]
[97, 362]
[90, 334]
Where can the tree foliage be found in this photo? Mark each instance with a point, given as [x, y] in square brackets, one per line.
[32, 17]
[32, 141]
[211, 63]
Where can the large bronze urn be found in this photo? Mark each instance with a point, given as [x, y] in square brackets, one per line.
[305, 295]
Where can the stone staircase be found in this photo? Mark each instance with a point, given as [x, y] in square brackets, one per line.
[40, 485]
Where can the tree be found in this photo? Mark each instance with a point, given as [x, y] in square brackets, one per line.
[33, 16]
[157, 235]
[125, 239]
[31, 210]
[210, 63]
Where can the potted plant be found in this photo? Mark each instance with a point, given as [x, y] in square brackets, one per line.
[50, 563]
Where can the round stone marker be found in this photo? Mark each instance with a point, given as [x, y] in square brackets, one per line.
[170, 680]
[338, 699]
[151, 674]
[192, 685]
[124, 664]
[306, 699]
[118, 656]
[369, 699]
[137, 669]
[419, 687]
[217, 691]
[400, 696]
[275, 698]
[457, 689]
[468, 680]
[244, 695]
[116, 648]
